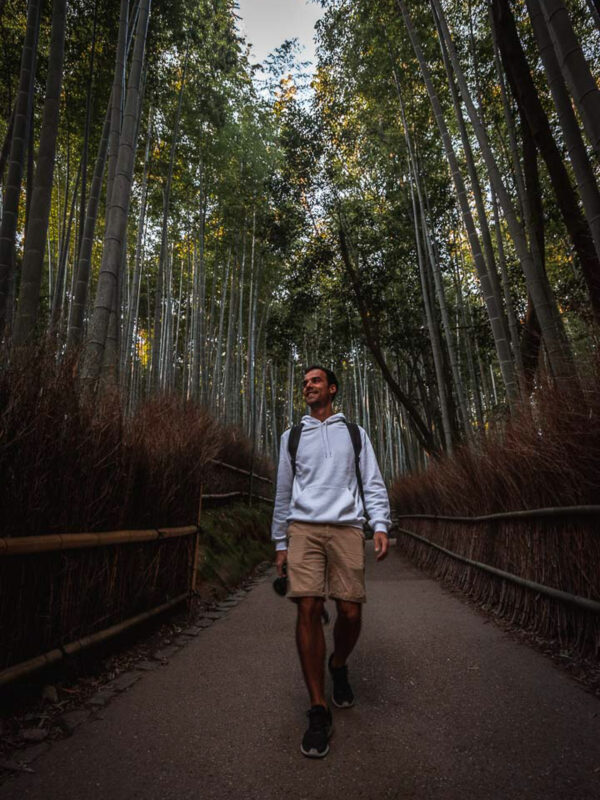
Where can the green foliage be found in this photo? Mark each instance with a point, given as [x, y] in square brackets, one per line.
[268, 171]
[234, 540]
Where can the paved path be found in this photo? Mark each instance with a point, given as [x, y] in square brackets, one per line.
[448, 707]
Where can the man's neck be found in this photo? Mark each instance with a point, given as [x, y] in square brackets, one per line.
[322, 413]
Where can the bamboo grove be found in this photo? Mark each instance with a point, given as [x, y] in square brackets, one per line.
[423, 215]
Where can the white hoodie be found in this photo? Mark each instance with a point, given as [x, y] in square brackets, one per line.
[325, 489]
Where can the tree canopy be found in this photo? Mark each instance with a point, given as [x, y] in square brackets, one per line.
[421, 214]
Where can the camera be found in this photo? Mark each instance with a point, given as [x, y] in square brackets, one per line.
[280, 583]
[280, 586]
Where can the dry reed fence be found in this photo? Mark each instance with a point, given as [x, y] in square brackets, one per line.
[68, 467]
[546, 459]
[50, 600]
[555, 553]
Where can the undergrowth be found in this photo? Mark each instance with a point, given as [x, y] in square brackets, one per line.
[234, 539]
[547, 455]
[70, 464]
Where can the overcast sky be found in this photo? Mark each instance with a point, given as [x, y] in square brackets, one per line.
[268, 23]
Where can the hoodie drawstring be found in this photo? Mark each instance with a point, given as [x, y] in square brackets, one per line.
[324, 431]
[324, 440]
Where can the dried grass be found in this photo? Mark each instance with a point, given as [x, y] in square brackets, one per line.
[68, 465]
[547, 456]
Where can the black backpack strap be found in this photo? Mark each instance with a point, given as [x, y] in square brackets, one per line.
[355, 436]
[293, 442]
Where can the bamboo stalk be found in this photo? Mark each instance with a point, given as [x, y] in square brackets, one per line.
[556, 594]
[229, 495]
[53, 656]
[239, 469]
[531, 513]
[25, 545]
[196, 551]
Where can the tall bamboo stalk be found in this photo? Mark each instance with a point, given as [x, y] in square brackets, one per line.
[582, 168]
[492, 301]
[116, 97]
[63, 257]
[158, 303]
[118, 209]
[216, 388]
[557, 345]
[582, 85]
[39, 215]
[433, 331]
[132, 310]
[83, 269]
[16, 160]
[534, 116]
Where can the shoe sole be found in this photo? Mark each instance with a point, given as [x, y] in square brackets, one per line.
[342, 705]
[312, 753]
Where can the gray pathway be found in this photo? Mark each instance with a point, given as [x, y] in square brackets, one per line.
[448, 707]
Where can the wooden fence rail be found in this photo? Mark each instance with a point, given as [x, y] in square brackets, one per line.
[25, 668]
[242, 471]
[22, 545]
[16, 548]
[231, 495]
[585, 603]
[537, 567]
[560, 512]
[529, 513]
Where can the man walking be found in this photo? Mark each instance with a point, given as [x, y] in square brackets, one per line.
[328, 483]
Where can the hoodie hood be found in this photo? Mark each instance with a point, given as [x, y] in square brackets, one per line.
[314, 422]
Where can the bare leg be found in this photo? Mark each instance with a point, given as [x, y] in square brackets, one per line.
[310, 640]
[346, 631]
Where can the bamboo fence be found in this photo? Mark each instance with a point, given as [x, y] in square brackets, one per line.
[538, 568]
[62, 593]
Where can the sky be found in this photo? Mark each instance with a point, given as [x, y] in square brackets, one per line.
[268, 23]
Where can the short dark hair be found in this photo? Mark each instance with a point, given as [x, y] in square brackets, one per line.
[329, 374]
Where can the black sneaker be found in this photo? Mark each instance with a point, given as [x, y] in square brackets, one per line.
[343, 696]
[315, 743]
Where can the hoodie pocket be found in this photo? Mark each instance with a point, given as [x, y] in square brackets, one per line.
[332, 502]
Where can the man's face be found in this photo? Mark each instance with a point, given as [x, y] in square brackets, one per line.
[315, 389]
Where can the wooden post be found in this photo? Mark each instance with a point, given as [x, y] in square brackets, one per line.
[196, 552]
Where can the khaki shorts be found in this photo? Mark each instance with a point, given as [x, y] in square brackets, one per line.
[326, 560]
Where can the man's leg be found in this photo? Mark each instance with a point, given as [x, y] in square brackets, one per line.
[307, 563]
[346, 578]
[346, 631]
[310, 640]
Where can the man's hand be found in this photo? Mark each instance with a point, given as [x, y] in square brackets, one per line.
[381, 544]
[280, 559]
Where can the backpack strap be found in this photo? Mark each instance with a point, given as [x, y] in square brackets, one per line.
[356, 439]
[293, 442]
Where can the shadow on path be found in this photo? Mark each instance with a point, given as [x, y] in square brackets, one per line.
[448, 707]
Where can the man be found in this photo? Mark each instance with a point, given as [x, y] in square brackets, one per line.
[318, 530]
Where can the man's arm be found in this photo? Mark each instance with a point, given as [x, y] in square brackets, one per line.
[376, 497]
[283, 496]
